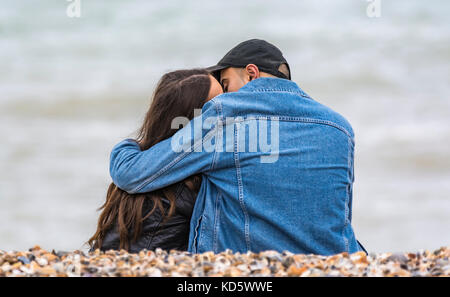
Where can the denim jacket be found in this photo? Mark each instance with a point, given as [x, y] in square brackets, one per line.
[277, 172]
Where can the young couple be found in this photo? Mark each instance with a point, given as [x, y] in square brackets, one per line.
[230, 197]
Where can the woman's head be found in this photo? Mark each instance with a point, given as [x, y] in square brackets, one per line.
[177, 94]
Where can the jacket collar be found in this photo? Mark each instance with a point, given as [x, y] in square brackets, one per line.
[270, 84]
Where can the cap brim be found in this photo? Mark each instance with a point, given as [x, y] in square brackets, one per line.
[215, 70]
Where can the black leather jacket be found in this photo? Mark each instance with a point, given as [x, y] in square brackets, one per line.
[172, 234]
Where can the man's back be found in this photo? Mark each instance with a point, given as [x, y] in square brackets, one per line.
[289, 187]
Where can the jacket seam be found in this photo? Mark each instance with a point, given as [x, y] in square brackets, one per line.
[218, 107]
[194, 245]
[216, 220]
[316, 121]
[291, 119]
[347, 199]
[214, 159]
[290, 91]
[241, 189]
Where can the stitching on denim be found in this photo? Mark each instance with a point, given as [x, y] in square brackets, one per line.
[274, 90]
[316, 121]
[347, 199]
[151, 179]
[202, 229]
[241, 189]
[352, 176]
[194, 244]
[216, 220]
[218, 106]
[282, 90]
[219, 128]
[290, 119]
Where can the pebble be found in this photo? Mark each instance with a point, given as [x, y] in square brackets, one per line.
[23, 260]
[158, 263]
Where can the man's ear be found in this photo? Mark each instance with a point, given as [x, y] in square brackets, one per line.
[252, 71]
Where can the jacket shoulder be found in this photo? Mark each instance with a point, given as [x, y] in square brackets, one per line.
[284, 105]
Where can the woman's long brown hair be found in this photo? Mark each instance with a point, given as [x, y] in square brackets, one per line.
[177, 94]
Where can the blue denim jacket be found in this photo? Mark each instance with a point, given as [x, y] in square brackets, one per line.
[277, 170]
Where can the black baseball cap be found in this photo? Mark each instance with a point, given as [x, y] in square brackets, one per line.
[266, 56]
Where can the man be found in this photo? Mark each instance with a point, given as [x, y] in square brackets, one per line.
[293, 194]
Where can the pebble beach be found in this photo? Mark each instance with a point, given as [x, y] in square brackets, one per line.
[37, 262]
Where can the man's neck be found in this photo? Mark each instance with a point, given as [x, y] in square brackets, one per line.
[265, 74]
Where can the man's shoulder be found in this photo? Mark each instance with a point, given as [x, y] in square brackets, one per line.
[275, 98]
[327, 114]
[284, 106]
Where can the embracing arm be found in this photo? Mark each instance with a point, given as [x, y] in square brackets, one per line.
[165, 163]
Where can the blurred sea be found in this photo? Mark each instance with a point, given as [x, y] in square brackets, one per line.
[71, 88]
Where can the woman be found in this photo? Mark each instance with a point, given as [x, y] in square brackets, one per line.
[161, 218]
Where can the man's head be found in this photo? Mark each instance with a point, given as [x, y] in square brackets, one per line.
[234, 78]
[247, 61]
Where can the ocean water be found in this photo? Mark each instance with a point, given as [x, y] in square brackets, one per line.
[71, 88]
